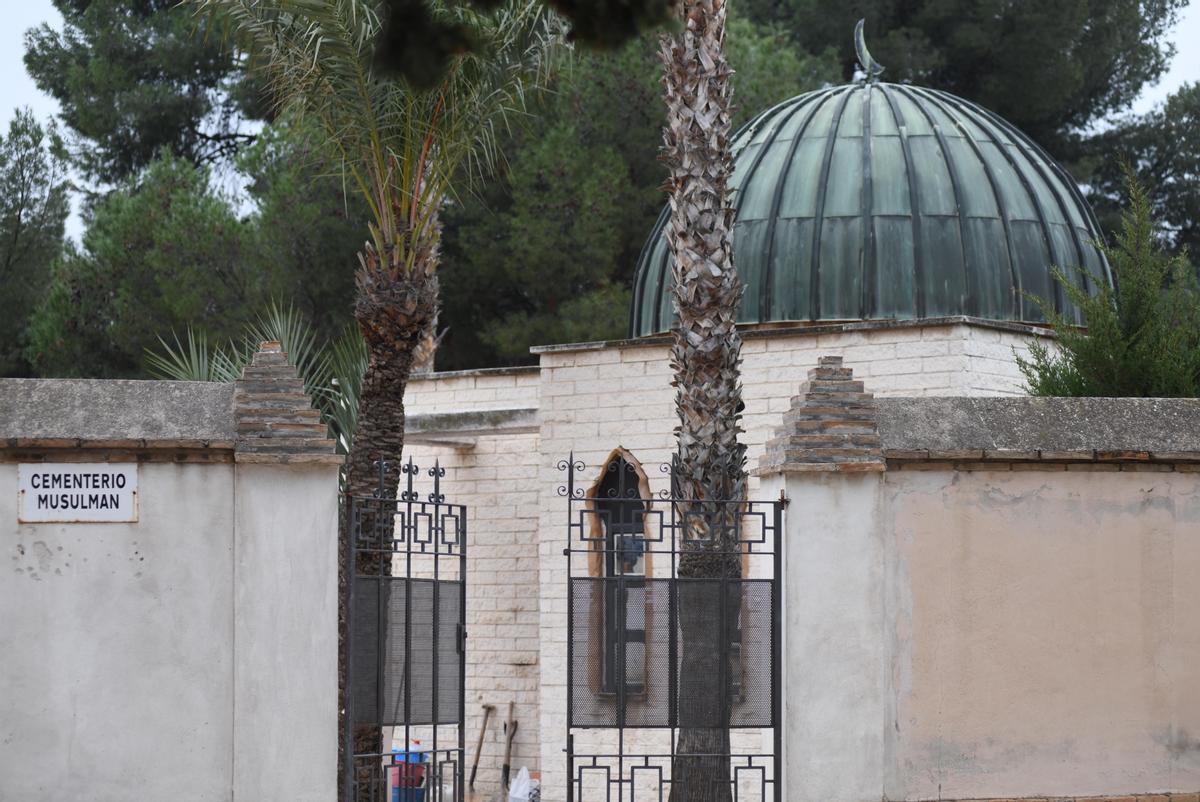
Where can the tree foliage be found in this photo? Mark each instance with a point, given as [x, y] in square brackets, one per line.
[133, 78]
[33, 207]
[1163, 148]
[1050, 68]
[419, 41]
[401, 148]
[169, 250]
[306, 225]
[1142, 337]
[546, 252]
[159, 254]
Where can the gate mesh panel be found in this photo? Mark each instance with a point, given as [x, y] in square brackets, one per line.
[590, 707]
[752, 700]
[705, 659]
[424, 641]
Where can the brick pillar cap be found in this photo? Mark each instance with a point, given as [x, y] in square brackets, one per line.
[275, 418]
[830, 428]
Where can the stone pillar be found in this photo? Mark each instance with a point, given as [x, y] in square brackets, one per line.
[285, 584]
[827, 459]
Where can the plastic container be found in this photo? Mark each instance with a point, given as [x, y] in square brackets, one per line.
[406, 775]
[400, 794]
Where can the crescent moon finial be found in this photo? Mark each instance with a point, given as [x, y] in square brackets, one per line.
[870, 67]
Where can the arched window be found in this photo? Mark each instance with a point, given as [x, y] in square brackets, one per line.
[620, 501]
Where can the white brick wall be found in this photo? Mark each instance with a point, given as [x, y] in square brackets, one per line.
[497, 480]
[591, 401]
[469, 391]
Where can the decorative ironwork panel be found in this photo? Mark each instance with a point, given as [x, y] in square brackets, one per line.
[673, 609]
[614, 776]
[406, 569]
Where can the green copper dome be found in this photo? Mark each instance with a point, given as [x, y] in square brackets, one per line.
[884, 201]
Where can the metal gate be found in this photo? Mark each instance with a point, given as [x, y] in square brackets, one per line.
[406, 585]
[658, 661]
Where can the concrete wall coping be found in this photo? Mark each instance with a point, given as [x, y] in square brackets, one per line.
[115, 412]
[809, 330]
[1134, 429]
[836, 425]
[265, 416]
[516, 370]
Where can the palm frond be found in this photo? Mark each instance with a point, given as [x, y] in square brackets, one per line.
[401, 147]
[338, 399]
[332, 372]
[287, 326]
[196, 361]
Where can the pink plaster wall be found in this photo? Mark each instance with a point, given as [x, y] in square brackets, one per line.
[1047, 633]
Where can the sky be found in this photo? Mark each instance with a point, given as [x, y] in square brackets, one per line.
[17, 88]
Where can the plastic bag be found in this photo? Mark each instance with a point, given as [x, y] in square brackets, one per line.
[521, 787]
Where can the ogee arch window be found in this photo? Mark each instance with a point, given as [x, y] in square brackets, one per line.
[620, 502]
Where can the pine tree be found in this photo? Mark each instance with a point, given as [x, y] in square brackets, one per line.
[1143, 334]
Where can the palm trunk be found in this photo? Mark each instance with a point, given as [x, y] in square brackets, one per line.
[705, 355]
[426, 351]
[394, 309]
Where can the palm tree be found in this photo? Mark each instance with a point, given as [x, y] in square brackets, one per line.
[710, 463]
[402, 148]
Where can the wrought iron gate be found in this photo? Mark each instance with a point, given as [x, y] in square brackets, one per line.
[656, 659]
[406, 585]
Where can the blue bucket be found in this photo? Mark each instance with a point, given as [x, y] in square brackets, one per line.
[400, 794]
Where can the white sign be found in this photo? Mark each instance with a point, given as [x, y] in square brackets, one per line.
[77, 492]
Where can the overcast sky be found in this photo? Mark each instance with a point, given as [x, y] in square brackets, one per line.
[17, 89]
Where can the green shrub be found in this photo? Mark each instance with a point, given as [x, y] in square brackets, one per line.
[1143, 334]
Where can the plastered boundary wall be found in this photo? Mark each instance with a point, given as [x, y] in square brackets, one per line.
[993, 598]
[192, 654]
[501, 432]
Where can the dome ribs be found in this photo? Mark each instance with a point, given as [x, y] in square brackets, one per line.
[986, 120]
[814, 257]
[1015, 299]
[766, 298]
[661, 270]
[867, 266]
[914, 204]
[1055, 189]
[764, 311]
[968, 299]
[646, 267]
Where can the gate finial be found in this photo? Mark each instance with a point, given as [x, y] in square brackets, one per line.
[383, 465]
[409, 469]
[437, 472]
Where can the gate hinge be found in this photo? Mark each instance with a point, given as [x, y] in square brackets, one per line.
[462, 638]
